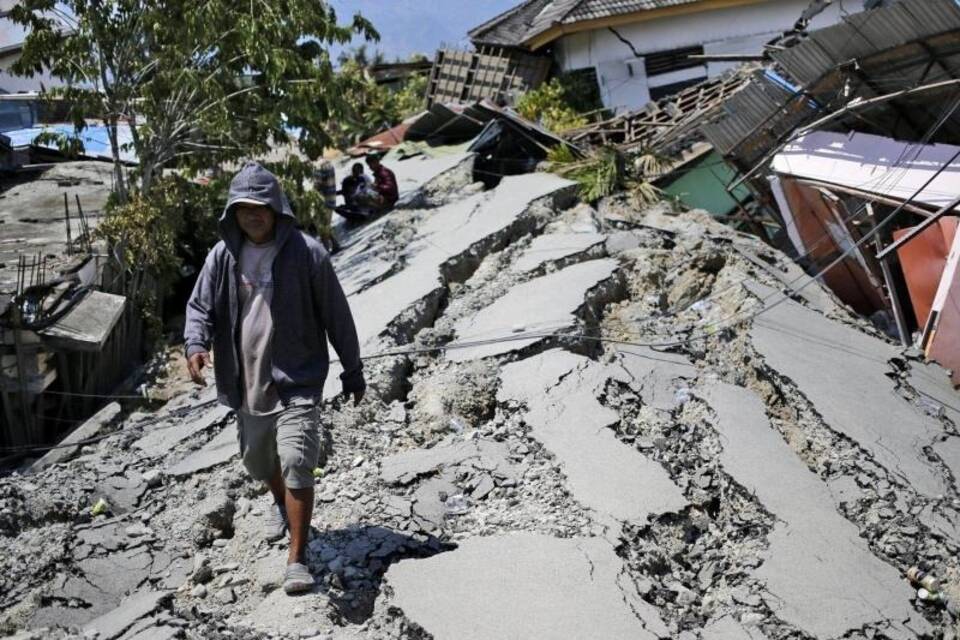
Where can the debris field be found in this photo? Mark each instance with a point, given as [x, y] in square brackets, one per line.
[583, 422]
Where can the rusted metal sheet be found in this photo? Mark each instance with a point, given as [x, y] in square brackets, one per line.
[815, 221]
[941, 334]
[864, 34]
[923, 260]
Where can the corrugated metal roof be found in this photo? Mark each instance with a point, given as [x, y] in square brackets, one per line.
[533, 17]
[754, 116]
[510, 27]
[592, 9]
[867, 33]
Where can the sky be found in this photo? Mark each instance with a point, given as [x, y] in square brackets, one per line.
[420, 26]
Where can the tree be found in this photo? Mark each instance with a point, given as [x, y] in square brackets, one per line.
[549, 105]
[361, 57]
[199, 83]
[371, 108]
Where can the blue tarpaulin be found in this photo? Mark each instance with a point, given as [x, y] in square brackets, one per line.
[96, 142]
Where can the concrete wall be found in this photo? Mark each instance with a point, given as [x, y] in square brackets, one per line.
[622, 77]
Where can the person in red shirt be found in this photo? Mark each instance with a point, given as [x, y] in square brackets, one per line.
[384, 183]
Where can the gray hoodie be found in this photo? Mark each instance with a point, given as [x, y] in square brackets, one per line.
[308, 305]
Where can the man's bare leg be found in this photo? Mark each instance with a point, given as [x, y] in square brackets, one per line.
[299, 511]
[277, 487]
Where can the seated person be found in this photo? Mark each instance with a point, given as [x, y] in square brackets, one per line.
[356, 190]
[384, 183]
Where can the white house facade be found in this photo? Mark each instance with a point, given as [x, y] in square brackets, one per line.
[638, 48]
[12, 37]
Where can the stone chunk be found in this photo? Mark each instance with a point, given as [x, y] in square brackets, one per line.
[483, 488]
[217, 513]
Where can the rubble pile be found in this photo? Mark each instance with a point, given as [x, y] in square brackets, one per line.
[579, 425]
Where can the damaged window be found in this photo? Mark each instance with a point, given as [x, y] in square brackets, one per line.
[672, 60]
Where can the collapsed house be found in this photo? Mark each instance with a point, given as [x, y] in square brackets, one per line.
[835, 149]
[631, 52]
[852, 148]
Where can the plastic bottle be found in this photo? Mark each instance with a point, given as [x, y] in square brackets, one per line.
[921, 578]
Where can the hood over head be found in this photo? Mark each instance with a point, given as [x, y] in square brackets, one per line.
[255, 185]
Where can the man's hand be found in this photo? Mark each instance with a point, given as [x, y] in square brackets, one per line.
[357, 397]
[195, 364]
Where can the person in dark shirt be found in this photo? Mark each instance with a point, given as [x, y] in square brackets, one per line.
[353, 184]
[384, 183]
[358, 195]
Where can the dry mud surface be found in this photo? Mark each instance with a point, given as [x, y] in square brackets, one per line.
[536, 464]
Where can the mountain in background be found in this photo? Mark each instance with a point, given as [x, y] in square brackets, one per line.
[419, 26]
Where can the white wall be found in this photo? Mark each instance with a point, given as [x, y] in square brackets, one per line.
[10, 83]
[733, 30]
[11, 35]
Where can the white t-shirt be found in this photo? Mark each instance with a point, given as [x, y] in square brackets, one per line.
[256, 327]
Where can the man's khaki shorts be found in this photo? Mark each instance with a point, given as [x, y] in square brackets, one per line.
[288, 440]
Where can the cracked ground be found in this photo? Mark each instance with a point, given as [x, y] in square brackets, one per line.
[577, 427]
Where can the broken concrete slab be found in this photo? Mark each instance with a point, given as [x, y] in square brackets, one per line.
[88, 324]
[161, 438]
[405, 467]
[416, 172]
[572, 424]
[117, 573]
[811, 544]
[523, 585]
[430, 498]
[836, 367]
[88, 429]
[449, 233]
[788, 272]
[112, 624]
[542, 305]
[552, 247]
[220, 449]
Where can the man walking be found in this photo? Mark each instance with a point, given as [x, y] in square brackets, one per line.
[268, 300]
